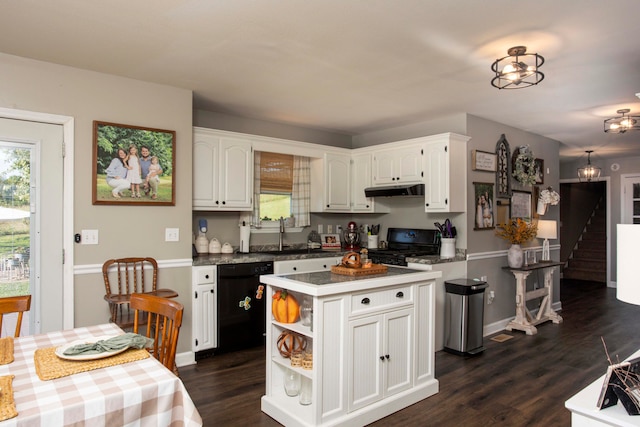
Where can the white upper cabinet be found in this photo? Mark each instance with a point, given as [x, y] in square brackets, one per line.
[446, 173]
[361, 178]
[222, 172]
[398, 165]
[337, 188]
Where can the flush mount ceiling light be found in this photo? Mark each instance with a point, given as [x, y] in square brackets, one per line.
[514, 73]
[589, 172]
[623, 123]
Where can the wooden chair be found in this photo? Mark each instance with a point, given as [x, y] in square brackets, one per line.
[19, 305]
[164, 318]
[126, 276]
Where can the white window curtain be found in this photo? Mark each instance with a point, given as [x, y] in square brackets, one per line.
[301, 193]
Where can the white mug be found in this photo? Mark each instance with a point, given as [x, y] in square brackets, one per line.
[372, 241]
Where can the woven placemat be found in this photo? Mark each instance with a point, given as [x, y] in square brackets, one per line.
[49, 366]
[6, 350]
[7, 404]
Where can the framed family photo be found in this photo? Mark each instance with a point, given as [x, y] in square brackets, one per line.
[133, 165]
[484, 215]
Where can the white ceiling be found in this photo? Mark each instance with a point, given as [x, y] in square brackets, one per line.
[356, 66]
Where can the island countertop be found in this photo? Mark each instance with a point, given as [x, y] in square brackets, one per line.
[327, 283]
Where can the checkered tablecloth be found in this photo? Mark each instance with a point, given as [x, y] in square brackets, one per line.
[140, 393]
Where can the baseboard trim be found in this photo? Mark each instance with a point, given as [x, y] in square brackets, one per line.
[185, 359]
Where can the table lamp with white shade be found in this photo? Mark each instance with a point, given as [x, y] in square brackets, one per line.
[547, 229]
[628, 271]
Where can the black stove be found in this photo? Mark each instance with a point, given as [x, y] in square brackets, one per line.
[403, 243]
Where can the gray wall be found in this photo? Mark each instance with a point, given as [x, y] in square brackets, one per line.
[484, 136]
[123, 230]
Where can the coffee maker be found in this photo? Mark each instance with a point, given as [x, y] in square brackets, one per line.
[352, 237]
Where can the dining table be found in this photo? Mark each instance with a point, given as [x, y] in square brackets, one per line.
[129, 389]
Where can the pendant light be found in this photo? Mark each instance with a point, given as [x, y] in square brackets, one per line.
[512, 72]
[589, 172]
[623, 123]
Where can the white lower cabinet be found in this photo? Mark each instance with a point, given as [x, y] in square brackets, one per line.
[203, 305]
[380, 349]
[368, 362]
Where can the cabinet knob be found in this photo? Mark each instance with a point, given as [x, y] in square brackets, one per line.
[295, 268]
[217, 202]
[426, 204]
[400, 295]
[211, 291]
[324, 266]
[386, 356]
[382, 358]
[206, 276]
[224, 203]
[367, 206]
[365, 301]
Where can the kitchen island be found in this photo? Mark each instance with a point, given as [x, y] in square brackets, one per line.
[371, 340]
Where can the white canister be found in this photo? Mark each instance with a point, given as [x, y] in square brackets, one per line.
[372, 241]
[202, 244]
[214, 246]
[448, 248]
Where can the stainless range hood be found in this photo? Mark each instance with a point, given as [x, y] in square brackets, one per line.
[406, 190]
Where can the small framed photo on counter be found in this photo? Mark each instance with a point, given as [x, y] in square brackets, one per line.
[330, 241]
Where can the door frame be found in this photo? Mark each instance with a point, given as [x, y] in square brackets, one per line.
[607, 181]
[67, 123]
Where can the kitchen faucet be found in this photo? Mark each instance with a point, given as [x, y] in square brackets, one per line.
[281, 234]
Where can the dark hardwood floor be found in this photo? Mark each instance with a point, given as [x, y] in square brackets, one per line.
[521, 382]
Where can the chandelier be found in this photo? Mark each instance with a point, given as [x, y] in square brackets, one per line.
[589, 172]
[623, 123]
[514, 73]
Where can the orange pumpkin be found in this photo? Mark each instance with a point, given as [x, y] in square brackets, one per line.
[284, 307]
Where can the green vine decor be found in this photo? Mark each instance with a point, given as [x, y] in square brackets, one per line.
[524, 171]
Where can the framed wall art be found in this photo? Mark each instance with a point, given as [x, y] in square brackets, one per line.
[483, 161]
[502, 212]
[521, 205]
[539, 168]
[503, 168]
[133, 165]
[483, 206]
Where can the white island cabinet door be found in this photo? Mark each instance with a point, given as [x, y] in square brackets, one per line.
[365, 363]
[398, 352]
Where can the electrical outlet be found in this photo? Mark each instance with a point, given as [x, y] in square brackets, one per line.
[171, 234]
[490, 297]
[89, 237]
[483, 278]
[329, 229]
[320, 229]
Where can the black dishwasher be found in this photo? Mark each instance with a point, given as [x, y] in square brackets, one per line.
[241, 305]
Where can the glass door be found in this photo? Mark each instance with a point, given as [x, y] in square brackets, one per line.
[15, 227]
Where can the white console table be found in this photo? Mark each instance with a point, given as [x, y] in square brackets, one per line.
[524, 320]
[585, 413]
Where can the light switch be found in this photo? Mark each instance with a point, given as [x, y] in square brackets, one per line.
[89, 237]
[171, 234]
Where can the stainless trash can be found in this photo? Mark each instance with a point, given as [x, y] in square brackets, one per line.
[464, 311]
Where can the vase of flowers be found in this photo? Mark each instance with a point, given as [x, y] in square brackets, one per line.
[547, 197]
[517, 231]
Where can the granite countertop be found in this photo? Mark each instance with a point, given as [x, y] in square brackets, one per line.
[238, 258]
[327, 283]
